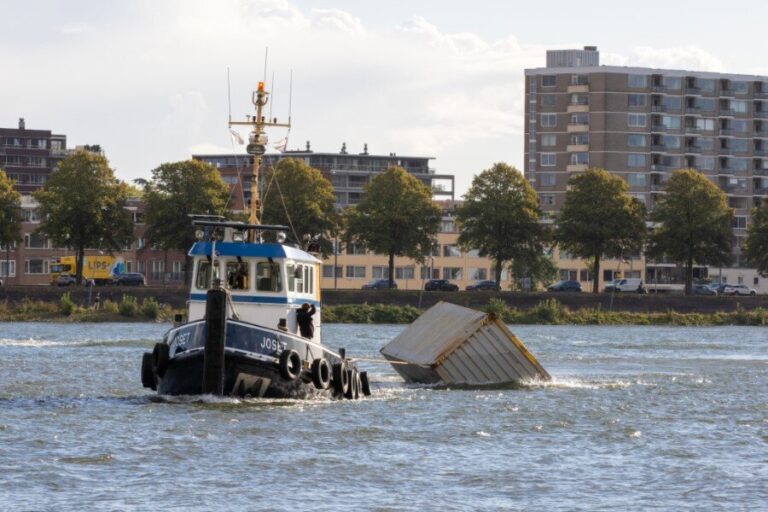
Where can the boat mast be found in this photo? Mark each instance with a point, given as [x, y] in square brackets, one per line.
[257, 146]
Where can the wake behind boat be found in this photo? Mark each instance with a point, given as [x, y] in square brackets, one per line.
[254, 316]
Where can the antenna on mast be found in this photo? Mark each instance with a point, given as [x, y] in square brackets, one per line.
[266, 56]
[272, 90]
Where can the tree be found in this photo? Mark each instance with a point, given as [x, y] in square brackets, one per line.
[599, 219]
[175, 191]
[500, 218]
[756, 247]
[10, 217]
[694, 223]
[396, 217]
[528, 273]
[83, 205]
[298, 196]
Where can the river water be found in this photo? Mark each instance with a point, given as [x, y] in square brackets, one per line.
[636, 418]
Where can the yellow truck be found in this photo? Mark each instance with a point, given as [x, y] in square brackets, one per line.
[96, 270]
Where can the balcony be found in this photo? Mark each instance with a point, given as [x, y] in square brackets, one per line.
[658, 187]
[760, 114]
[728, 93]
[692, 90]
[577, 148]
[577, 88]
[726, 112]
[657, 168]
[761, 152]
[760, 172]
[577, 128]
[576, 167]
[577, 108]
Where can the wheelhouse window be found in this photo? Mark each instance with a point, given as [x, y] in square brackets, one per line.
[301, 278]
[268, 278]
[237, 275]
[203, 278]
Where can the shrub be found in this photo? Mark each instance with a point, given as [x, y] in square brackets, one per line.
[128, 306]
[110, 307]
[496, 307]
[66, 305]
[150, 308]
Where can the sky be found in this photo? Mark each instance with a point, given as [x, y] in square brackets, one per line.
[147, 80]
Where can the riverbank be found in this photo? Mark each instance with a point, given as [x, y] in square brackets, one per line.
[547, 311]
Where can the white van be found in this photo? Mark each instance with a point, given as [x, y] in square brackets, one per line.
[632, 284]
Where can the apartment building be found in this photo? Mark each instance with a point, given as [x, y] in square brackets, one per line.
[642, 124]
[29, 156]
[351, 266]
[348, 172]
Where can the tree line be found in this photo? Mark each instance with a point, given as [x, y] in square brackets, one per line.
[83, 205]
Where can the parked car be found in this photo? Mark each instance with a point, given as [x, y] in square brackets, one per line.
[129, 278]
[631, 284]
[485, 285]
[565, 286]
[379, 284]
[441, 285]
[738, 289]
[704, 289]
[65, 280]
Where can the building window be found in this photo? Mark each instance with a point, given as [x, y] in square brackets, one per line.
[548, 120]
[580, 118]
[328, 271]
[636, 141]
[672, 82]
[8, 268]
[636, 179]
[581, 158]
[355, 249]
[548, 140]
[548, 81]
[636, 120]
[404, 273]
[36, 241]
[739, 222]
[578, 139]
[379, 272]
[447, 226]
[548, 159]
[430, 273]
[477, 274]
[636, 100]
[671, 141]
[584, 275]
[547, 199]
[452, 273]
[636, 160]
[451, 251]
[355, 272]
[548, 100]
[567, 274]
[637, 81]
[36, 266]
[547, 180]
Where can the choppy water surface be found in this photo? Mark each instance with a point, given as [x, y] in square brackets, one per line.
[637, 418]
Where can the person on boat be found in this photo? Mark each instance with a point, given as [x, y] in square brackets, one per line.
[304, 319]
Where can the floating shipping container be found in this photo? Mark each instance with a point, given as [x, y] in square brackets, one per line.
[452, 344]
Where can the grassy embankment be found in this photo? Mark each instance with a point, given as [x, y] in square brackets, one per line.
[548, 312]
[66, 310]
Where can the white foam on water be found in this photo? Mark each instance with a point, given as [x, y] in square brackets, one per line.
[573, 383]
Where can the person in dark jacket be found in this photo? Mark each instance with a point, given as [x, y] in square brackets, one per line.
[304, 319]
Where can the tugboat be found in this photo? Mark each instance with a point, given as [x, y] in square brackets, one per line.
[253, 324]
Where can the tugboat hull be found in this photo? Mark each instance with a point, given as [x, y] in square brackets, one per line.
[258, 362]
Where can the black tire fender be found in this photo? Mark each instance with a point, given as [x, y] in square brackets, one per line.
[365, 383]
[290, 364]
[160, 356]
[321, 373]
[352, 377]
[147, 375]
[340, 378]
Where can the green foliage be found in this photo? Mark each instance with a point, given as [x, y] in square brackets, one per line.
[128, 306]
[150, 308]
[300, 197]
[694, 223]
[600, 219]
[370, 314]
[83, 205]
[756, 247]
[10, 212]
[538, 270]
[500, 217]
[110, 307]
[496, 307]
[66, 305]
[396, 217]
[177, 190]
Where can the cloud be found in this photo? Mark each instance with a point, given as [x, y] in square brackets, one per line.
[684, 58]
[336, 20]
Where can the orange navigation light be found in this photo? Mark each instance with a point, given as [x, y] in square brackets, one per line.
[261, 87]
